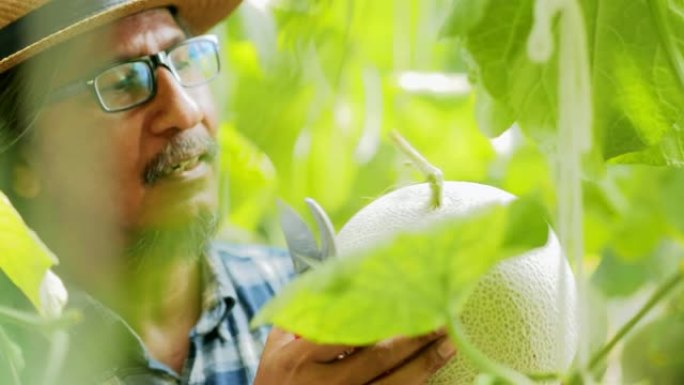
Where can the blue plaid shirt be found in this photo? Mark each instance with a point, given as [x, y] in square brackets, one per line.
[223, 349]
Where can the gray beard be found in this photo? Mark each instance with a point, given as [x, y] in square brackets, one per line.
[154, 247]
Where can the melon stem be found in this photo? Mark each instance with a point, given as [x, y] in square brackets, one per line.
[484, 363]
[433, 174]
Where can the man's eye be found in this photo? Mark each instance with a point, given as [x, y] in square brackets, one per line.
[123, 84]
[182, 64]
[123, 81]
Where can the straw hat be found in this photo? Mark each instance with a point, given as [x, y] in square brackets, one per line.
[28, 27]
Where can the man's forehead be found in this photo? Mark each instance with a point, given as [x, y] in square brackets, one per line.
[130, 37]
[145, 33]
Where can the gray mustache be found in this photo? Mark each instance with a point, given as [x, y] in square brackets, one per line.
[181, 147]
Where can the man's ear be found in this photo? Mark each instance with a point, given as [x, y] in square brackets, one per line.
[25, 181]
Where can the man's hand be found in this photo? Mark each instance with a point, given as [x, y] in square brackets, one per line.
[397, 361]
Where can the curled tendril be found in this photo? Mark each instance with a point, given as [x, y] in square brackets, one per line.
[540, 42]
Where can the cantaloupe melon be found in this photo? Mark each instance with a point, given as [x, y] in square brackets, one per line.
[514, 315]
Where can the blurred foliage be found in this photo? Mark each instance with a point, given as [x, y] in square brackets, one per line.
[314, 90]
[24, 259]
[654, 354]
[637, 78]
[315, 86]
[312, 87]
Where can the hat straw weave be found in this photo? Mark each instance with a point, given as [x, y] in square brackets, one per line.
[28, 27]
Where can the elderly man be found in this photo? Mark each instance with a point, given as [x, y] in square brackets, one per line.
[108, 129]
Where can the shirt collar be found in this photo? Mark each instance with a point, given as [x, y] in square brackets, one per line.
[218, 296]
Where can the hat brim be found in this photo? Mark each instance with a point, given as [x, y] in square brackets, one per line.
[55, 22]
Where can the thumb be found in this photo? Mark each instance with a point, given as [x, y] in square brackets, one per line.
[277, 339]
[299, 347]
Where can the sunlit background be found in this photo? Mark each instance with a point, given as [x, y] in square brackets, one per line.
[311, 91]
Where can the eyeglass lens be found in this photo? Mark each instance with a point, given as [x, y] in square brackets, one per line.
[130, 84]
[125, 85]
[195, 63]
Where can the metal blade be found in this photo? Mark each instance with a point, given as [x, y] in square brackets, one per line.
[325, 229]
[299, 238]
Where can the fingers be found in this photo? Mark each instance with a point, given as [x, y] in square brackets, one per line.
[420, 367]
[322, 353]
[287, 360]
[280, 339]
[397, 361]
[372, 362]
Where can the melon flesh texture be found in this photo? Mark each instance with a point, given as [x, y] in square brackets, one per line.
[515, 314]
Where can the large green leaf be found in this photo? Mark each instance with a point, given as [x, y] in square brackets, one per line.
[23, 257]
[637, 80]
[513, 86]
[637, 70]
[409, 286]
[464, 15]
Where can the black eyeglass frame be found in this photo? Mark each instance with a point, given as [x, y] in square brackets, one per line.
[153, 61]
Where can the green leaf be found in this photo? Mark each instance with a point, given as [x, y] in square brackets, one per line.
[637, 75]
[524, 90]
[493, 117]
[653, 355]
[23, 257]
[409, 286]
[618, 278]
[524, 226]
[465, 14]
[637, 80]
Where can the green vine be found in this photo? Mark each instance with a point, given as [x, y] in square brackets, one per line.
[12, 357]
[28, 320]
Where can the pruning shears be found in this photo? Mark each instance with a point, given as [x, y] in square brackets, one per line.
[305, 251]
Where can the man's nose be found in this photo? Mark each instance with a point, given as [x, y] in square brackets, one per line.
[175, 108]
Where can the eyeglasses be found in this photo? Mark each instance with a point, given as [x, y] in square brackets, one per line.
[129, 84]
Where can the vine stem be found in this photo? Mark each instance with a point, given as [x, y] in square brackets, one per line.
[29, 320]
[7, 350]
[59, 345]
[657, 296]
[483, 362]
[21, 318]
[433, 174]
[574, 139]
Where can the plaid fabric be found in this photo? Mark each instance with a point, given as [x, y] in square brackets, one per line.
[246, 278]
[239, 280]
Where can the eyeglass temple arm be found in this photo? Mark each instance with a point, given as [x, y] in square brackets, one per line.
[68, 91]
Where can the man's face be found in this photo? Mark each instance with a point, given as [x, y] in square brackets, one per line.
[106, 178]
